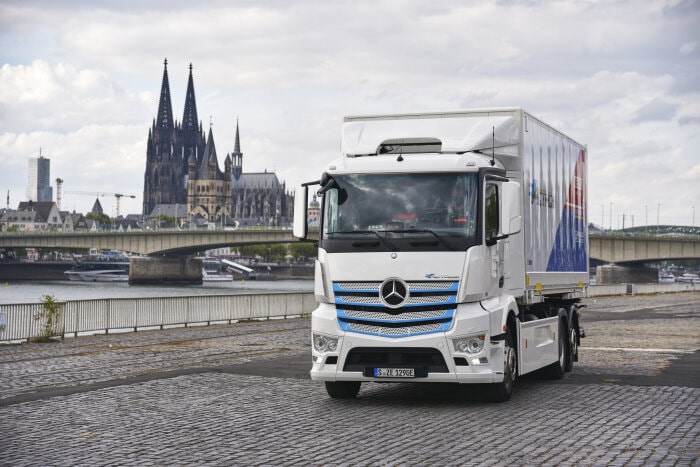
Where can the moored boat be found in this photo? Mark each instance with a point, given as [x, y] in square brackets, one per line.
[107, 275]
[688, 277]
[99, 271]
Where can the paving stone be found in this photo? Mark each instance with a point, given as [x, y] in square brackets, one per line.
[131, 399]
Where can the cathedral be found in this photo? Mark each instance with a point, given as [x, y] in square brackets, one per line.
[182, 169]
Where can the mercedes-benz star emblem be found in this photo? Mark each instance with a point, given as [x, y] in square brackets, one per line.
[393, 292]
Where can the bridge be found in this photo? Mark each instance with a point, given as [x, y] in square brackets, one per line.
[622, 247]
[174, 242]
[168, 253]
[609, 247]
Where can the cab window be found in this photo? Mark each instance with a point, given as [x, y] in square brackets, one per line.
[491, 211]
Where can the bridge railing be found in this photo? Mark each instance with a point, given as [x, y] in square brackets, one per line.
[141, 231]
[130, 314]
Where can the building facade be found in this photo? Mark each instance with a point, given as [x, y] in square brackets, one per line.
[39, 180]
[32, 216]
[182, 168]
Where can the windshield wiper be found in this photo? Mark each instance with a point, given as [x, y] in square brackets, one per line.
[439, 238]
[363, 232]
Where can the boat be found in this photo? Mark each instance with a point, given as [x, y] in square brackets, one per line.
[212, 271]
[107, 275]
[666, 277]
[688, 277]
[99, 271]
[215, 276]
[115, 271]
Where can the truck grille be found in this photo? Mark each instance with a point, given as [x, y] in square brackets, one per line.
[429, 307]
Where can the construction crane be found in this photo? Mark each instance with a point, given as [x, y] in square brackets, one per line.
[118, 196]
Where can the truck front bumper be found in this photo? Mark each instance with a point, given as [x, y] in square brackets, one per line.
[432, 356]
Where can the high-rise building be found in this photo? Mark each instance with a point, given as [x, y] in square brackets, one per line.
[39, 180]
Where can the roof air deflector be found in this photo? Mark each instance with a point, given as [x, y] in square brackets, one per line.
[410, 146]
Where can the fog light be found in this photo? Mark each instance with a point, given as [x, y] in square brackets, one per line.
[470, 344]
[325, 343]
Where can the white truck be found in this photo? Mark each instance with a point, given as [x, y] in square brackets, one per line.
[452, 247]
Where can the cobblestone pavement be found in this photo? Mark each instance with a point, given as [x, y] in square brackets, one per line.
[240, 395]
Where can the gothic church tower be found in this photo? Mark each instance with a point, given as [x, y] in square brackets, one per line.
[170, 147]
[182, 169]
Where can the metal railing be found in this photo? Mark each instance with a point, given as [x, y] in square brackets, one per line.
[104, 315]
[18, 323]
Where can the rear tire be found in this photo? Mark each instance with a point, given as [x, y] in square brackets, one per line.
[571, 350]
[503, 390]
[556, 369]
[343, 389]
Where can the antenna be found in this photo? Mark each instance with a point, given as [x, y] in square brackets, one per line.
[493, 146]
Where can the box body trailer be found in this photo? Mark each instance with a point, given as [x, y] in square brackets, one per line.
[452, 247]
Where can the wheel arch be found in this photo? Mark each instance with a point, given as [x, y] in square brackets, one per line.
[507, 312]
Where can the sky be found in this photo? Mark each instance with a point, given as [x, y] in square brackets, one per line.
[80, 82]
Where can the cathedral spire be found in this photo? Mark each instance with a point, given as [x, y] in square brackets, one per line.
[189, 116]
[237, 156]
[165, 109]
[237, 145]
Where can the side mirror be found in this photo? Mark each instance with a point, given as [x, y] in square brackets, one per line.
[511, 208]
[301, 203]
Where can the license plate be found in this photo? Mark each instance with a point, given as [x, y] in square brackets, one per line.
[394, 373]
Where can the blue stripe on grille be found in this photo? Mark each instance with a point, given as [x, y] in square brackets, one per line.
[395, 319]
[394, 325]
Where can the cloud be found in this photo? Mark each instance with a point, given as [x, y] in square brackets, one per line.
[61, 98]
[688, 48]
[656, 110]
[82, 79]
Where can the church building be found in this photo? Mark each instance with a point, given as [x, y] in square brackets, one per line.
[182, 169]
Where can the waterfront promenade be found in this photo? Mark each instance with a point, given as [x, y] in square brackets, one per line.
[240, 395]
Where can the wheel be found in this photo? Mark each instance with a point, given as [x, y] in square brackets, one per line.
[571, 350]
[502, 391]
[556, 369]
[343, 389]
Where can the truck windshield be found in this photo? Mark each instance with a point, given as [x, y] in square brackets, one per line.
[426, 211]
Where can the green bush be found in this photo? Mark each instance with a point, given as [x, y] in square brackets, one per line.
[51, 314]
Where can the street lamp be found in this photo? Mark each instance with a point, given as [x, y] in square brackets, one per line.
[658, 216]
[646, 218]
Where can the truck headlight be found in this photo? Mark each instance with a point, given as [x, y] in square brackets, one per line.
[324, 343]
[470, 344]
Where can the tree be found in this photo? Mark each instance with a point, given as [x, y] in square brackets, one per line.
[103, 219]
[271, 252]
[303, 250]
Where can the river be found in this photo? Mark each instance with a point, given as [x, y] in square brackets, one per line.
[31, 292]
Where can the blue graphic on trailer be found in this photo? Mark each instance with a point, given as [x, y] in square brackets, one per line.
[569, 250]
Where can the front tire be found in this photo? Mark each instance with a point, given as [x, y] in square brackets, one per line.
[343, 389]
[502, 391]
